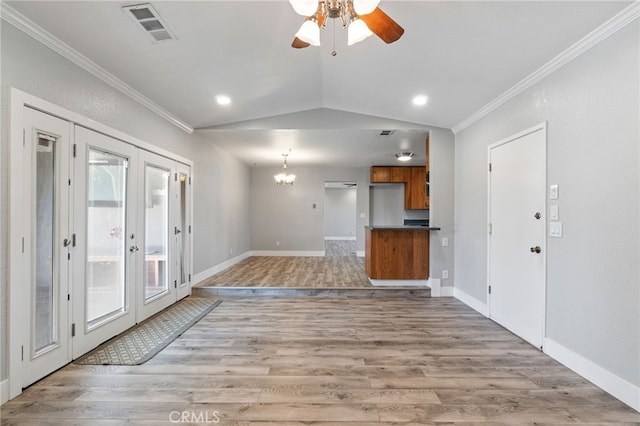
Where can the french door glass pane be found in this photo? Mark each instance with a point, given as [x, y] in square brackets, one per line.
[156, 280]
[106, 236]
[44, 295]
[184, 232]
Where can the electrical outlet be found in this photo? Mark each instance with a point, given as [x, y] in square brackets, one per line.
[277, 243]
[445, 274]
[445, 242]
[230, 250]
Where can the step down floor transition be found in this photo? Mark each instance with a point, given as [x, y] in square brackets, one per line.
[389, 292]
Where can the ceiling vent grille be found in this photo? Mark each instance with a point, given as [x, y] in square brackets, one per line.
[149, 21]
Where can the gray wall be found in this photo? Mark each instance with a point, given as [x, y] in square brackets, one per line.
[286, 214]
[593, 291]
[387, 204]
[441, 203]
[340, 212]
[220, 182]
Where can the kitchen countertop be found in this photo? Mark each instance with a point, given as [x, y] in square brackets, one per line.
[402, 227]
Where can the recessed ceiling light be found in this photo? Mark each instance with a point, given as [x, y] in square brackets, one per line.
[223, 100]
[420, 100]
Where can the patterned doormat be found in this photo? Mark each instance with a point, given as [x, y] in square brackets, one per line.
[141, 343]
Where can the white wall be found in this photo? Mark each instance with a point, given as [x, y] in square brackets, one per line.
[340, 212]
[591, 106]
[220, 182]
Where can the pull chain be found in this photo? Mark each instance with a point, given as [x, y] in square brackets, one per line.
[333, 52]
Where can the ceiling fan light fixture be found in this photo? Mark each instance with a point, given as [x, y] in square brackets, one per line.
[357, 31]
[404, 156]
[364, 7]
[304, 7]
[309, 32]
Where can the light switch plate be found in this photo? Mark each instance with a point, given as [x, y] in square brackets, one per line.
[555, 229]
[554, 192]
[554, 213]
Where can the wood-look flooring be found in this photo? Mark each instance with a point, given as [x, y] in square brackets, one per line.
[339, 268]
[328, 361]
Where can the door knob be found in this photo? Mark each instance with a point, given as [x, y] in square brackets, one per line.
[135, 248]
[537, 215]
[536, 249]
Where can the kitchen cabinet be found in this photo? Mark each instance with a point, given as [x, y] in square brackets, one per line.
[414, 179]
[381, 174]
[415, 190]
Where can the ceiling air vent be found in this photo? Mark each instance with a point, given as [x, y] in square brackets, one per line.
[147, 19]
[386, 132]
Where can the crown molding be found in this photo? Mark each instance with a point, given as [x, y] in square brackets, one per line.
[13, 17]
[610, 27]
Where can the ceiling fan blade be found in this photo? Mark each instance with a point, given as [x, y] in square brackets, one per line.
[299, 44]
[383, 26]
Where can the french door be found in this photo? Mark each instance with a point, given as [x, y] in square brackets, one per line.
[105, 229]
[155, 238]
[182, 230]
[45, 153]
[99, 236]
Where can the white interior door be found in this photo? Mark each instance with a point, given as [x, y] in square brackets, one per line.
[182, 230]
[157, 289]
[105, 197]
[46, 342]
[517, 183]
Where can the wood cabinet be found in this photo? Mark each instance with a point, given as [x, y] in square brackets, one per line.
[396, 254]
[381, 174]
[414, 179]
[415, 191]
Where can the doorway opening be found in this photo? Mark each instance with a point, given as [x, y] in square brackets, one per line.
[340, 218]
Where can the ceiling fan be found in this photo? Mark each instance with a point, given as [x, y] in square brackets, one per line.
[362, 17]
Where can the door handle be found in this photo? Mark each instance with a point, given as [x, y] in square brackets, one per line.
[536, 249]
[133, 249]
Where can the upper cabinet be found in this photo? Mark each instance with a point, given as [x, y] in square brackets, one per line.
[415, 190]
[381, 174]
[388, 174]
[414, 178]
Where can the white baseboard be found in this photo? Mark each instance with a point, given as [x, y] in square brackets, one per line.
[434, 283]
[285, 253]
[4, 391]
[609, 382]
[446, 291]
[340, 238]
[201, 276]
[400, 283]
[471, 301]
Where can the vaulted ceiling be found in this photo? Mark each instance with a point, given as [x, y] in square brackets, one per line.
[462, 55]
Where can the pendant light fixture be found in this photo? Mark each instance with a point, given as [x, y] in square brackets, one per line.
[284, 179]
